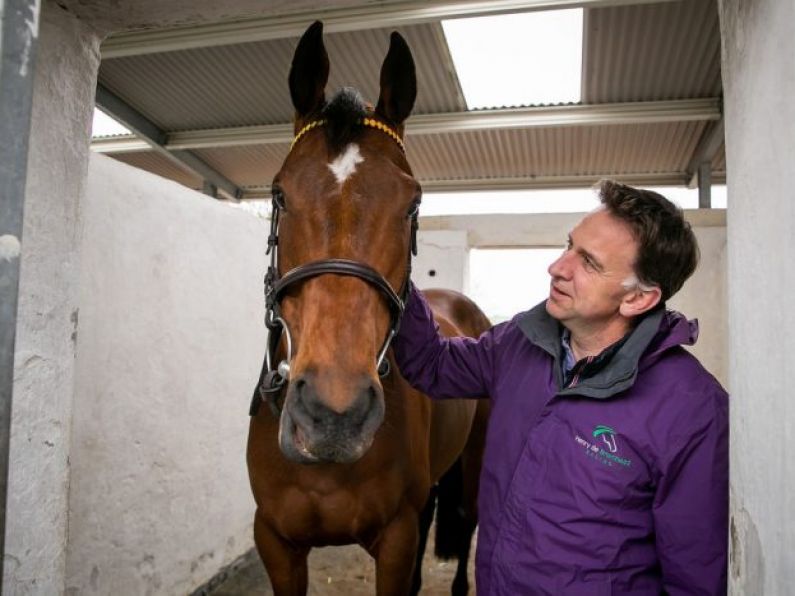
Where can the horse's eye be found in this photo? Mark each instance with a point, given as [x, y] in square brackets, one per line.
[277, 196]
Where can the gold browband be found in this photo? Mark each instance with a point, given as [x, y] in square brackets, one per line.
[306, 129]
[371, 122]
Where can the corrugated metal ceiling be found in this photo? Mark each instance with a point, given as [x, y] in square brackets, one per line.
[649, 52]
[592, 151]
[573, 151]
[162, 166]
[246, 84]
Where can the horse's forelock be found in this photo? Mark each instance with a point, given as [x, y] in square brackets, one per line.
[344, 114]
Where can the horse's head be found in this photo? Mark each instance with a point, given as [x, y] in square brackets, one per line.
[346, 202]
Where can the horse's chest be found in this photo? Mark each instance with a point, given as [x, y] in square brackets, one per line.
[338, 515]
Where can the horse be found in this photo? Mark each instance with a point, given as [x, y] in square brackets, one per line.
[346, 452]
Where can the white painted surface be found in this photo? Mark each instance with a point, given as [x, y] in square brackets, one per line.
[10, 247]
[170, 345]
[442, 260]
[30, 35]
[36, 519]
[703, 297]
[759, 81]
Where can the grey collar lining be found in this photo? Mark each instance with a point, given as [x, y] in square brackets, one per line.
[544, 331]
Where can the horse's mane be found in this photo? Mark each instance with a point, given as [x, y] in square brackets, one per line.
[344, 114]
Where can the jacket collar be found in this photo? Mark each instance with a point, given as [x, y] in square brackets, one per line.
[658, 331]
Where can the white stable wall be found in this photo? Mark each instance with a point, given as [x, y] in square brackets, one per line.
[703, 297]
[171, 341]
[759, 83]
[36, 516]
[442, 260]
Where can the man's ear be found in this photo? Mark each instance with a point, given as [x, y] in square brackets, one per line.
[640, 300]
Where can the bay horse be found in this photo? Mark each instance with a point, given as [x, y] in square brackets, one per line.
[346, 451]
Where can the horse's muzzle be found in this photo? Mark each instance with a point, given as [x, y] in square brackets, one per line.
[310, 431]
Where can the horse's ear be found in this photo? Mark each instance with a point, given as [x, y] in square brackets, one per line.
[309, 72]
[398, 82]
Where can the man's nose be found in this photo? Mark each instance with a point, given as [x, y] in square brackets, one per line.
[560, 267]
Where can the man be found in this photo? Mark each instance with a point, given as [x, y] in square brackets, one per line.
[606, 463]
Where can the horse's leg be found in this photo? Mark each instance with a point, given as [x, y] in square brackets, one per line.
[470, 462]
[285, 564]
[426, 518]
[456, 519]
[395, 554]
[461, 580]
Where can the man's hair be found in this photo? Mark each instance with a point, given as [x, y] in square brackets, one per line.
[667, 248]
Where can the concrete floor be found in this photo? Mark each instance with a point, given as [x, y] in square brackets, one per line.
[334, 571]
[245, 578]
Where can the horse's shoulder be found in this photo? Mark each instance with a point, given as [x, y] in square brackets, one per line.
[456, 313]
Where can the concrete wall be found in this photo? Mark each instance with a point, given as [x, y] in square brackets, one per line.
[442, 260]
[36, 520]
[171, 341]
[703, 296]
[759, 82]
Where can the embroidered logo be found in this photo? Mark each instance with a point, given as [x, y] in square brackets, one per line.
[603, 435]
[608, 436]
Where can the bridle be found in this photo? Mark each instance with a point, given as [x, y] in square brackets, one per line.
[273, 379]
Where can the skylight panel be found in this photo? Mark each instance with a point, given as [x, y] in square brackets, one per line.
[518, 59]
[105, 126]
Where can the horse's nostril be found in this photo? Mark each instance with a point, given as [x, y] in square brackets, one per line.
[373, 393]
[367, 402]
[301, 391]
[351, 407]
[371, 403]
[307, 402]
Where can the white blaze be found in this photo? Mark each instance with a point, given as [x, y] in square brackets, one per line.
[345, 164]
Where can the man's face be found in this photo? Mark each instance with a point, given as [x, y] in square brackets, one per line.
[586, 288]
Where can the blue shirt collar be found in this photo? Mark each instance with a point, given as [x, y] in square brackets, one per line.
[568, 360]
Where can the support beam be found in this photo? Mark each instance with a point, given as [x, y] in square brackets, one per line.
[525, 183]
[119, 144]
[550, 182]
[210, 189]
[369, 16]
[117, 108]
[650, 112]
[545, 116]
[19, 36]
[706, 150]
[156, 138]
[705, 185]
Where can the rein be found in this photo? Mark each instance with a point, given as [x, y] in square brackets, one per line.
[273, 379]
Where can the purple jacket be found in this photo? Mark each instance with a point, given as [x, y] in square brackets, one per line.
[618, 485]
